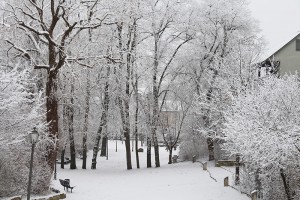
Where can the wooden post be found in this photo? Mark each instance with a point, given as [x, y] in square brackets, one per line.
[254, 195]
[226, 182]
[205, 166]
[194, 158]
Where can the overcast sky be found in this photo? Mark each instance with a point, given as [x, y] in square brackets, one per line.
[279, 20]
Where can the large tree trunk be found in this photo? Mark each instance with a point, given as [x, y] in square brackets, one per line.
[62, 157]
[156, 148]
[210, 146]
[149, 152]
[124, 111]
[86, 120]
[207, 121]
[51, 115]
[103, 146]
[71, 127]
[170, 155]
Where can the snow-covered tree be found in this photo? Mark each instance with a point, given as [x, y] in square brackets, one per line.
[263, 125]
[21, 108]
[221, 61]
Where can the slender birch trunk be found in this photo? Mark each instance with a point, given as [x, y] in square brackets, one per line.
[103, 121]
[136, 122]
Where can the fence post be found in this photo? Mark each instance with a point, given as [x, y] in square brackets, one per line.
[205, 166]
[194, 158]
[254, 195]
[226, 182]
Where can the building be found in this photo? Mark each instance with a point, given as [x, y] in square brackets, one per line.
[284, 60]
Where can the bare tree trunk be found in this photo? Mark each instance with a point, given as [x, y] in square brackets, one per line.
[149, 152]
[103, 146]
[124, 111]
[170, 155]
[103, 121]
[156, 148]
[210, 146]
[155, 110]
[210, 140]
[62, 158]
[51, 115]
[71, 127]
[86, 120]
[97, 141]
[127, 126]
[136, 122]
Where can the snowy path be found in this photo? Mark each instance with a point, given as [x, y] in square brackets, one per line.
[111, 180]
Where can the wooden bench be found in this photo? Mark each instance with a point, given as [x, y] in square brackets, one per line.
[66, 184]
[225, 163]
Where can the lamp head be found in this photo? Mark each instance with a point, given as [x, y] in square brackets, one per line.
[34, 135]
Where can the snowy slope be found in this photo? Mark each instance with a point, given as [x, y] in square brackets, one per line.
[111, 180]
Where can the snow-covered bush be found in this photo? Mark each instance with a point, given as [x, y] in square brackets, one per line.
[193, 144]
[21, 108]
[263, 125]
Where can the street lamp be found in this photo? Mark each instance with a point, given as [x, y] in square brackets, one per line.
[34, 137]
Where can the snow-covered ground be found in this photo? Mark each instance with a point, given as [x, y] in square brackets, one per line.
[111, 180]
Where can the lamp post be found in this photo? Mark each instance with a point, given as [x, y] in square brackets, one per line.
[34, 137]
[55, 169]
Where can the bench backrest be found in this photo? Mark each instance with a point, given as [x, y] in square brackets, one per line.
[61, 182]
[64, 183]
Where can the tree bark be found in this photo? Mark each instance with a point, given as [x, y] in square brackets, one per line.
[71, 127]
[170, 156]
[51, 115]
[149, 152]
[86, 120]
[62, 158]
[103, 121]
[136, 122]
[155, 114]
[210, 146]
[103, 146]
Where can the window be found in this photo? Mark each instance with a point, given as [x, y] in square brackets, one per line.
[297, 44]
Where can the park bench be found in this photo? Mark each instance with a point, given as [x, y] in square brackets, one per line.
[66, 184]
[225, 163]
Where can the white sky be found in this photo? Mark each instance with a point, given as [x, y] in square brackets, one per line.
[279, 20]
